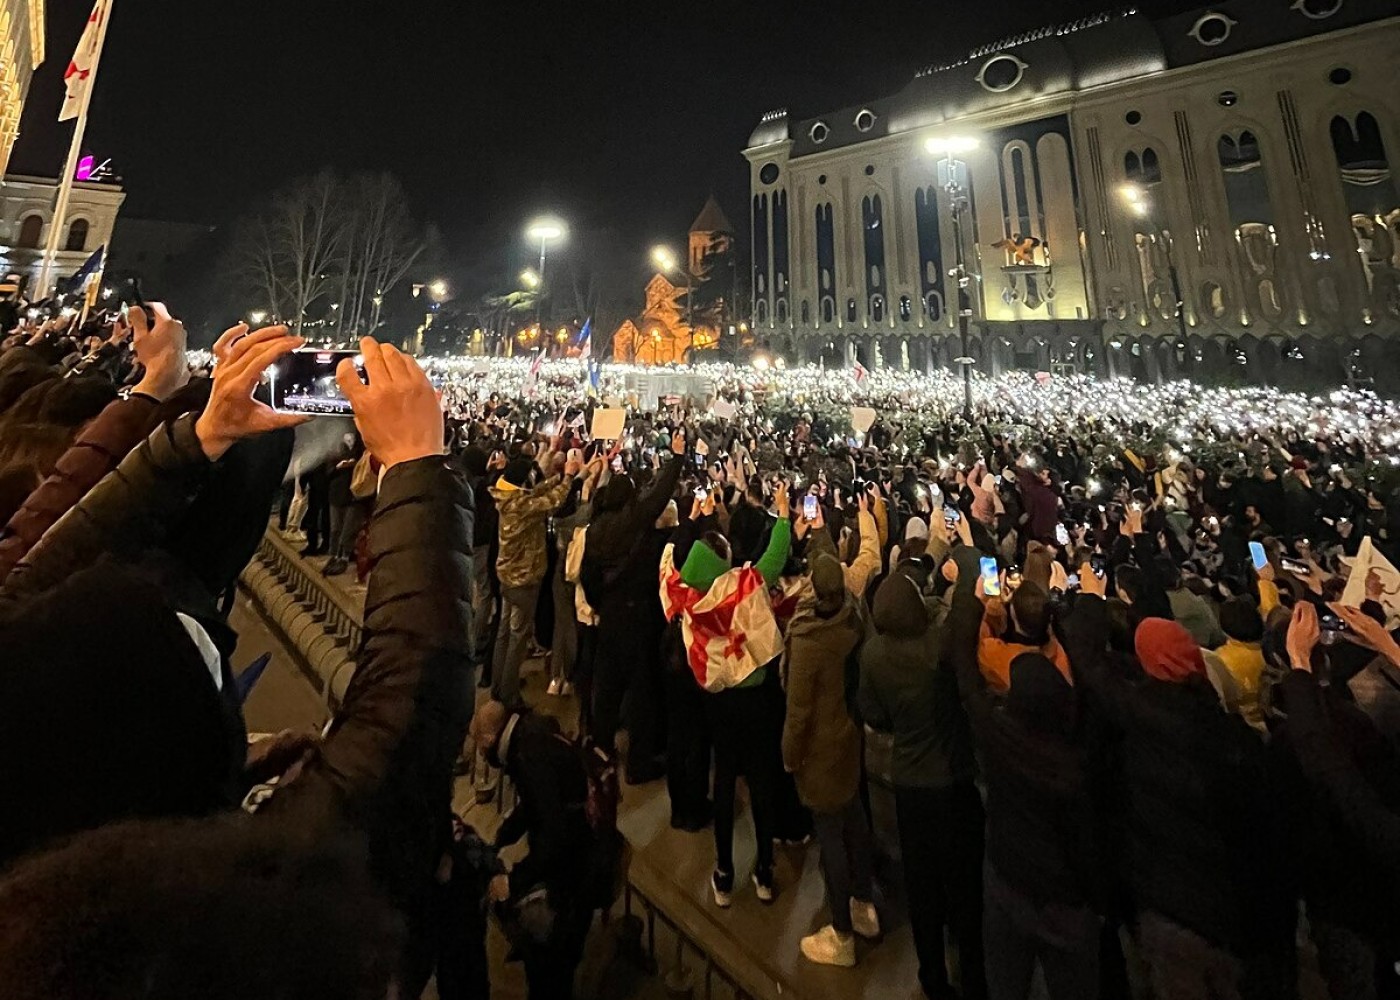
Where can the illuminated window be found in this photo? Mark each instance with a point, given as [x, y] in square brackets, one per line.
[906, 309]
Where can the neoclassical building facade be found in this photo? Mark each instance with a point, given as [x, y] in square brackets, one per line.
[1237, 159]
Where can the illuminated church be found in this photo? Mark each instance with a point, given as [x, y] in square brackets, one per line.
[685, 311]
[1209, 194]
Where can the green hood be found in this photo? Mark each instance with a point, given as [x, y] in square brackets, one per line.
[703, 567]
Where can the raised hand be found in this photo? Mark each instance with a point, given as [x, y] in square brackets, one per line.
[232, 413]
[397, 412]
[161, 351]
[1303, 634]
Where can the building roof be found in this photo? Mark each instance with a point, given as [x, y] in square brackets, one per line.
[1103, 48]
[711, 219]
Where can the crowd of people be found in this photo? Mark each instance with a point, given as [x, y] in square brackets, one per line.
[1130, 650]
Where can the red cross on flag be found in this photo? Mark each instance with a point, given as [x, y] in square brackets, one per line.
[861, 375]
[77, 78]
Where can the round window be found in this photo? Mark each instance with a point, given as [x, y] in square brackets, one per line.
[1317, 10]
[1341, 76]
[1227, 99]
[1133, 117]
[818, 132]
[869, 170]
[865, 120]
[769, 173]
[1001, 73]
[821, 178]
[1212, 28]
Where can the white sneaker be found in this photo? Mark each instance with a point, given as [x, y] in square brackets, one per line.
[865, 921]
[830, 947]
[763, 886]
[722, 886]
[553, 688]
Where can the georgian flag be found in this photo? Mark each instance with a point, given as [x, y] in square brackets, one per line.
[532, 379]
[728, 632]
[78, 76]
[861, 375]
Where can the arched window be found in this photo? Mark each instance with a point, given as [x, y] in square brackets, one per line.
[781, 311]
[1143, 168]
[31, 230]
[851, 310]
[828, 309]
[877, 308]
[906, 308]
[77, 235]
[806, 312]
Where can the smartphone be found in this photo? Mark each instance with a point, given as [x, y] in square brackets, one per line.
[1295, 566]
[1013, 577]
[1072, 581]
[304, 382]
[1098, 564]
[809, 507]
[991, 581]
[1061, 535]
[617, 466]
[951, 516]
[1257, 555]
[701, 493]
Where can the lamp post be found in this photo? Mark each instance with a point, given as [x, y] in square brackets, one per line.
[947, 148]
[541, 231]
[666, 261]
[1141, 205]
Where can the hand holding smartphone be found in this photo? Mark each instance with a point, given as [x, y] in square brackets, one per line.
[304, 382]
[991, 577]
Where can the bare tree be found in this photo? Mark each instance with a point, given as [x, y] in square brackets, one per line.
[382, 244]
[309, 228]
[255, 262]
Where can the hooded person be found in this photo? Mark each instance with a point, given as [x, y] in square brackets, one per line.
[1041, 881]
[907, 689]
[730, 635]
[1203, 836]
[618, 576]
[821, 749]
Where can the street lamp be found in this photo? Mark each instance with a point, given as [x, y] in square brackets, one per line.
[948, 147]
[663, 258]
[529, 278]
[438, 289]
[1140, 203]
[541, 231]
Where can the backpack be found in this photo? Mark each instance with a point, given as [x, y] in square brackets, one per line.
[605, 867]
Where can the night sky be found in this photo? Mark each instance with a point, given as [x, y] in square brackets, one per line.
[600, 110]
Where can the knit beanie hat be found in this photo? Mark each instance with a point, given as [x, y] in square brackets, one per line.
[916, 528]
[1167, 652]
[518, 471]
[829, 582]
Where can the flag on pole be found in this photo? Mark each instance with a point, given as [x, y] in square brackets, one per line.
[595, 376]
[861, 375]
[77, 78]
[90, 269]
[532, 379]
[585, 339]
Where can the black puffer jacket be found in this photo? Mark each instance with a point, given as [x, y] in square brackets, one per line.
[385, 767]
[1041, 827]
[1203, 832]
[620, 562]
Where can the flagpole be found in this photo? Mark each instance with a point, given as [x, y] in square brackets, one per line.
[75, 152]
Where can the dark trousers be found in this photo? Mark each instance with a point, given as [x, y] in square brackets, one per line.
[628, 668]
[940, 839]
[848, 854]
[1017, 933]
[792, 820]
[584, 668]
[738, 718]
[550, 967]
[317, 522]
[687, 748]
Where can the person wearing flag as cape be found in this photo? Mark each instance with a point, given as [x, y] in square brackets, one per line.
[730, 637]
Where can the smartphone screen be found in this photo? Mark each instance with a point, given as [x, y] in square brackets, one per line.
[991, 581]
[1099, 565]
[1257, 555]
[1061, 534]
[809, 507]
[304, 382]
[1072, 581]
[701, 493]
[1295, 566]
[951, 516]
